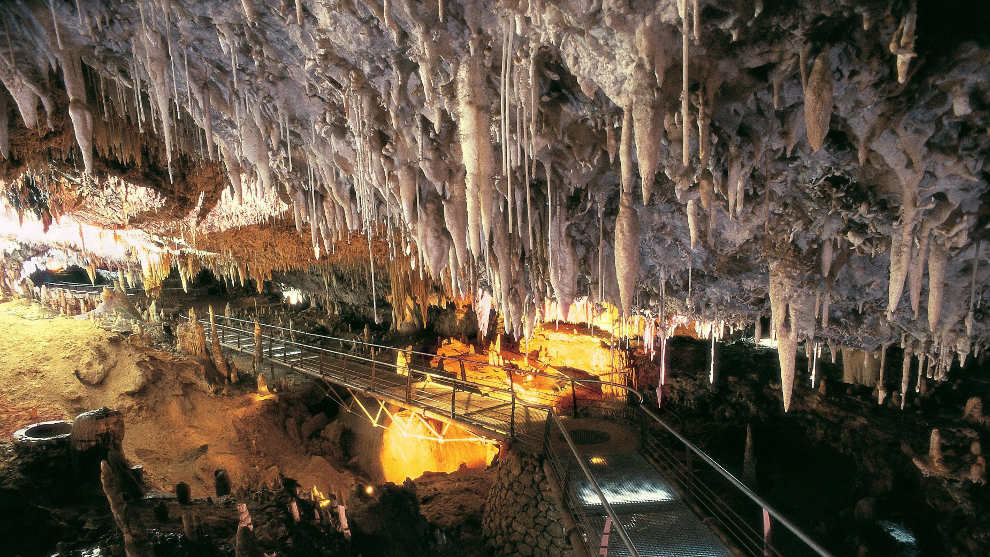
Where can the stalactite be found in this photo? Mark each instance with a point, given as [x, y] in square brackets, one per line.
[4, 128]
[648, 140]
[972, 291]
[79, 112]
[902, 43]
[685, 112]
[476, 148]
[901, 241]
[818, 101]
[936, 282]
[881, 387]
[692, 218]
[627, 250]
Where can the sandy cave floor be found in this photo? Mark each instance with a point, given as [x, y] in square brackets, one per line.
[174, 427]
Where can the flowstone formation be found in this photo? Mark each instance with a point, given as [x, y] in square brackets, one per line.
[819, 163]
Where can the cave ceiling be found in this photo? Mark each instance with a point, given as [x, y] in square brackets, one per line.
[820, 163]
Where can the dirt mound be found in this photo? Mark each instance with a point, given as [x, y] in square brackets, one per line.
[57, 367]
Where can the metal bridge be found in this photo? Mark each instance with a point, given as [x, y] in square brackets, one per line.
[661, 496]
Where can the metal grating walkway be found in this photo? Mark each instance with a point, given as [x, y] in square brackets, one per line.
[650, 508]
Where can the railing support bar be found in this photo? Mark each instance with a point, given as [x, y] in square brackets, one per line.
[616, 523]
[741, 486]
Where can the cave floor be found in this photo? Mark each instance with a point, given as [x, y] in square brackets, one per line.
[54, 367]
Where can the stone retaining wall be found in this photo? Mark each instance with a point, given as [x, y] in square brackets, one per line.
[519, 516]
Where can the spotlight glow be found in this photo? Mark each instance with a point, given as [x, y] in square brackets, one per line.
[626, 494]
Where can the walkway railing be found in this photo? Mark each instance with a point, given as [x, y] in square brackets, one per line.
[526, 385]
[416, 383]
[81, 288]
[742, 516]
[504, 408]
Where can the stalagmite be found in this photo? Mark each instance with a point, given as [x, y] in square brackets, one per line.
[257, 360]
[125, 513]
[818, 101]
[749, 459]
[934, 463]
[216, 352]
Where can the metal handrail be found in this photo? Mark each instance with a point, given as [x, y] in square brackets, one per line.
[356, 357]
[451, 358]
[439, 377]
[740, 485]
[626, 540]
[94, 288]
[637, 400]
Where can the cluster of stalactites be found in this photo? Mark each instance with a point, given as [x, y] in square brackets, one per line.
[478, 218]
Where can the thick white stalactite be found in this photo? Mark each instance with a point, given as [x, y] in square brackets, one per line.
[937, 261]
[156, 64]
[79, 112]
[627, 251]
[792, 318]
[477, 151]
[648, 140]
[901, 242]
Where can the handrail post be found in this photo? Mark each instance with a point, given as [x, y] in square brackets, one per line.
[512, 407]
[616, 523]
[408, 385]
[463, 373]
[453, 401]
[512, 416]
[739, 485]
[573, 399]
[373, 372]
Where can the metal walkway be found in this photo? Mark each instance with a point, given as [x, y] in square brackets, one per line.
[624, 502]
[490, 410]
[671, 499]
[652, 510]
